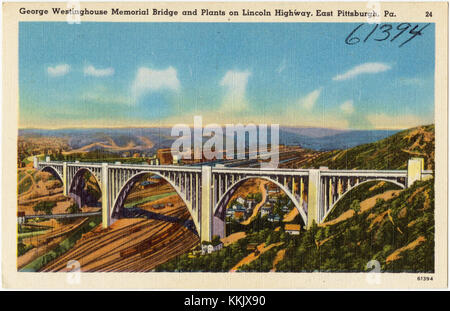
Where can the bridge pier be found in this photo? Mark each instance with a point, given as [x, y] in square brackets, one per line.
[415, 168]
[206, 212]
[65, 183]
[106, 205]
[314, 196]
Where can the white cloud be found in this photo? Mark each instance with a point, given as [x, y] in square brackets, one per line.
[362, 69]
[347, 107]
[384, 121]
[151, 80]
[58, 70]
[92, 71]
[236, 83]
[309, 101]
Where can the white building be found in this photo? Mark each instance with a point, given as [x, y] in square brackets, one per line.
[209, 248]
[249, 207]
[241, 200]
[273, 218]
[266, 209]
[274, 191]
[292, 229]
[230, 212]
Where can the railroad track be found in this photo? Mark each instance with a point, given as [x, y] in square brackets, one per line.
[149, 238]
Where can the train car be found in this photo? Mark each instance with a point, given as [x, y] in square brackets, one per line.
[134, 230]
[128, 252]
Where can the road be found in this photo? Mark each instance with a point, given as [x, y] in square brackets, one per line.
[263, 190]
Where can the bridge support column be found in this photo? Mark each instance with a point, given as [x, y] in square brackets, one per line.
[314, 189]
[64, 177]
[190, 190]
[330, 193]
[106, 208]
[293, 185]
[206, 213]
[35, 162]
[415, 168]
[302, 189]
[339, 189]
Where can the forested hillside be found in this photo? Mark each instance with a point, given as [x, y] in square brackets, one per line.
[392, 152]
[398, 232]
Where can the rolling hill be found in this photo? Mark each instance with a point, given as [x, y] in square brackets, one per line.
[392, 152]
[117, 140]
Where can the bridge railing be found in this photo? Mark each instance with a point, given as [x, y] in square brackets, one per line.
[245, 170]
[226, 169]
[51, 163]
[158, 167]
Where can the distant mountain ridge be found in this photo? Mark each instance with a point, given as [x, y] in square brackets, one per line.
[329, 139]
[151, 139]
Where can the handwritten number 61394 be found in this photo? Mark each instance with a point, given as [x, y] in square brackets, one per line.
[382, 32]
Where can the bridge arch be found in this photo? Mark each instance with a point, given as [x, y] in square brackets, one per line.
[53, 171]
[356, 186]
[125, 190]
[74, 190]
[81, 171]
[226, 197]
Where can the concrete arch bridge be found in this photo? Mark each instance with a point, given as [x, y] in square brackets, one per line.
[207, 190]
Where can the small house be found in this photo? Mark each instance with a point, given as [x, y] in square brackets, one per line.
[285, 209]
[266, 209]
[240, 200]
[21, 217]
[230, 213]
[239, 214]
[274, 218]
[292, 229]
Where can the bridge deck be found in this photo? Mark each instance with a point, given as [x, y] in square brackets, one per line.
[193, 168]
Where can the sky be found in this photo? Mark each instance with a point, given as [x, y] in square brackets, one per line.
[161, 74]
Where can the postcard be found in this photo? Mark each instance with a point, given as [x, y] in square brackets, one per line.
[209, 145]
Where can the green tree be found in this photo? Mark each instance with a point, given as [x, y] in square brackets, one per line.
[355, 206]
[44, 206]
[73, 209]
[216, 240]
